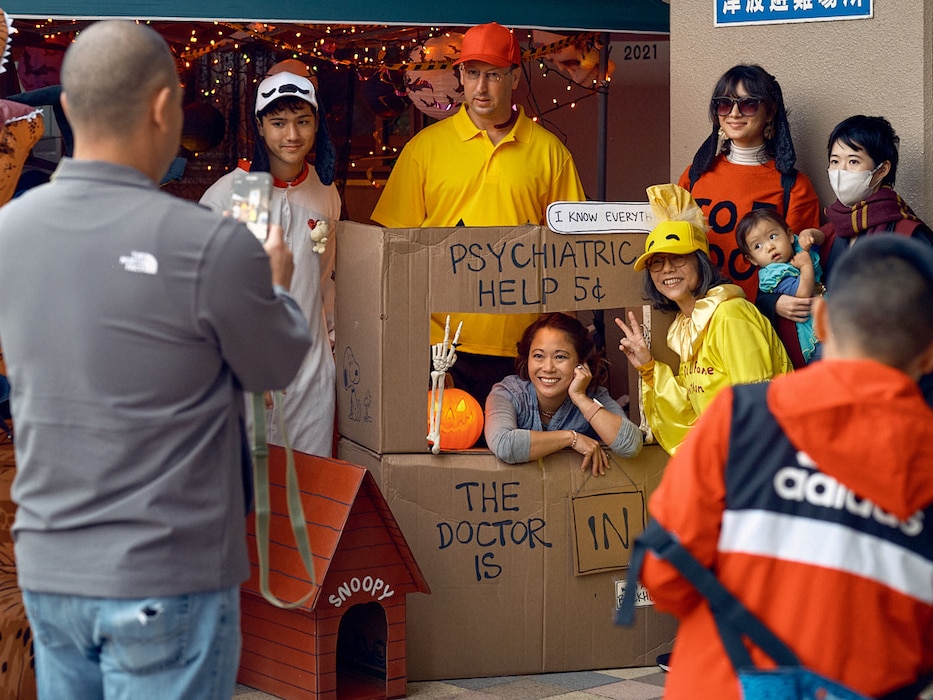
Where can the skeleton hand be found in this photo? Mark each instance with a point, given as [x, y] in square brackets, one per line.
[443, 357]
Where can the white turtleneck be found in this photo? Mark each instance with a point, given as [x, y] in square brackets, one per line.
[755, 155]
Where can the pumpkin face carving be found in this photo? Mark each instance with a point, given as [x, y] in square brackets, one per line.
[461, 419]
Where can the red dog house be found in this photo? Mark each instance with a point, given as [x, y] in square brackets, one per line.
[348, 640]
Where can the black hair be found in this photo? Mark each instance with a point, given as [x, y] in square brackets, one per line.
[579, 336]
[752, 219]
[891, 323]
[710, 276]
[760, 84]
[874, 135]
[325, 154]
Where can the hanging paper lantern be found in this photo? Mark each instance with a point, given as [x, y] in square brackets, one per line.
[436, 91]
[461, 419]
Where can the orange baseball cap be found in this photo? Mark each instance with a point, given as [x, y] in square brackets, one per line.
[490, 43]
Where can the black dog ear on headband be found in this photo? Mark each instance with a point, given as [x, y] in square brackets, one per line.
[325, 154]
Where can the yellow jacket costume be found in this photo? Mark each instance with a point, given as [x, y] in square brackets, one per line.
[725, 341]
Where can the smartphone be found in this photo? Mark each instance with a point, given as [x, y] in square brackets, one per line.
[252, 193]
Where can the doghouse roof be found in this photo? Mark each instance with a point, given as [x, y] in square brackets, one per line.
[350, 526]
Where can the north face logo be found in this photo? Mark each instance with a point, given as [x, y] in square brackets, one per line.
[137, 261]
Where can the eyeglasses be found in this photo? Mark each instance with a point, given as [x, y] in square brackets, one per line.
[656, 262]
[748, 106]
[492, 76]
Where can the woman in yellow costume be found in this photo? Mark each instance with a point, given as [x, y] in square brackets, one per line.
[720, 337]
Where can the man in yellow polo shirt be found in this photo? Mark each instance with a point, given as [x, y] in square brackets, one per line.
[486, 165]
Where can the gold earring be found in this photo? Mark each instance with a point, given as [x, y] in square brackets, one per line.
[722, 140]
[769, 131]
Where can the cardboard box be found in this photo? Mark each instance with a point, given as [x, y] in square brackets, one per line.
[525, 562]
[391, 280]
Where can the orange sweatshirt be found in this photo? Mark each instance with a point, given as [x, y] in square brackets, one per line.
[727, 192]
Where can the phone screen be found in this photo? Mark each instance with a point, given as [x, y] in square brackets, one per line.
[252, 193]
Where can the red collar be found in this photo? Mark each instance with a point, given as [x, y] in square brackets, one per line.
[244, 164]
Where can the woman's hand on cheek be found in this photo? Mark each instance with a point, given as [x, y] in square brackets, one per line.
[581, 380]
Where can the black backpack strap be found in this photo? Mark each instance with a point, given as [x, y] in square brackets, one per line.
[788, 180]
[733, 619]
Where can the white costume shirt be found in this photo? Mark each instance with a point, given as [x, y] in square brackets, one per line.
[309, 401]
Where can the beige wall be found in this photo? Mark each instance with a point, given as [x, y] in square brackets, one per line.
[828, 71]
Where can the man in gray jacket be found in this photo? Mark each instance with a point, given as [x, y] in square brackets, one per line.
[131, 323]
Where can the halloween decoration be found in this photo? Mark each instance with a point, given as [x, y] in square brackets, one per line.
[384, 93]
[21, 126]
[578, 62]
[461, 419]
[443, 356]
[6, 28]
[436, 91]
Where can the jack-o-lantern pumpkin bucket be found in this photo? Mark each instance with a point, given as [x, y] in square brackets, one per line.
[461, 421]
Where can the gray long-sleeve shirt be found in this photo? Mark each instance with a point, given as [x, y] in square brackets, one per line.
[512, 413]
[131, 322]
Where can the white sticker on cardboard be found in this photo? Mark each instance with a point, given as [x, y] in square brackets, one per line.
[642, 597]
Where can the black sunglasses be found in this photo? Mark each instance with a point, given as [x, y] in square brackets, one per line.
[748, 106]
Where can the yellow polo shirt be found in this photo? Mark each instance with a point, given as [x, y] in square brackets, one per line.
[451, 174]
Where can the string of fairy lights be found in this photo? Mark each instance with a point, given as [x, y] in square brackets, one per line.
[221, 62]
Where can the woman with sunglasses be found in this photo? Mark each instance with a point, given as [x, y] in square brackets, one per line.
[746, 163]
[720, 337]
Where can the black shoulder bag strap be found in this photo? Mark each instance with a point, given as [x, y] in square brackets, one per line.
[733, 619]
[787, 184]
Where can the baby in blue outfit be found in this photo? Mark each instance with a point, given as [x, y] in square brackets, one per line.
[788, 263]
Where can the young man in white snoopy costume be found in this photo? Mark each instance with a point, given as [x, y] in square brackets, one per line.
[289, 121]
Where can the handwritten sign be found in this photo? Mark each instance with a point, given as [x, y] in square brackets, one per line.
[605, 526]
[520, 273]
[736, 12]
[642, 597]
[600, 217]
[495, 524]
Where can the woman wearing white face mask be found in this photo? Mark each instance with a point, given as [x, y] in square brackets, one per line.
[862, 167]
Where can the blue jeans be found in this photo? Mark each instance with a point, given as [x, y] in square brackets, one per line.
[185, 646]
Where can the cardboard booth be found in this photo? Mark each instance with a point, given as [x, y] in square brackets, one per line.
[525, 562]
[391, 280]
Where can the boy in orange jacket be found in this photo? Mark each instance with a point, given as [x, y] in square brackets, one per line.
[809, 498]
